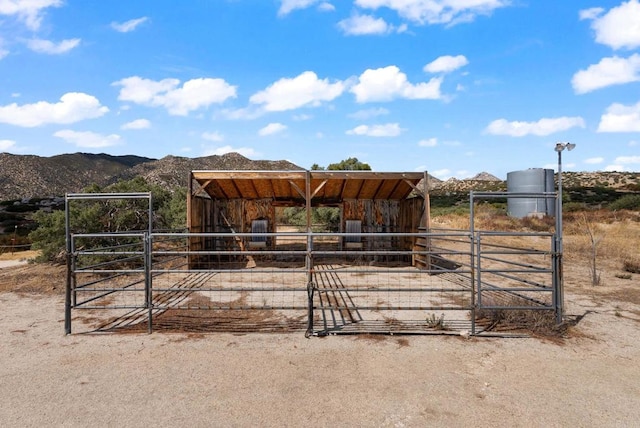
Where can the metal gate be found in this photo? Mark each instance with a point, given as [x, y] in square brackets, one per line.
[309, 282]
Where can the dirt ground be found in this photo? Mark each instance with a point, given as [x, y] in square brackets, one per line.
[591, 377]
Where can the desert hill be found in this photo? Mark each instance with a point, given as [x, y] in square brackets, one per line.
[28, 176]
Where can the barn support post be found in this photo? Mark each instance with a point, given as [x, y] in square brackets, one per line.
[426, 215]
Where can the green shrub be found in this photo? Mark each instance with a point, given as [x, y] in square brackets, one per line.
[627, 202]
[114, 215]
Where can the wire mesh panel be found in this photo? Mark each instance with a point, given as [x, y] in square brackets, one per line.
[307, 281]
[382, 289]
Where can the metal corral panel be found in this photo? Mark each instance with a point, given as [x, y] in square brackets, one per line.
[534, 180]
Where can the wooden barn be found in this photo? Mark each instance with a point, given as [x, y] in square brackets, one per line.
[245, 202]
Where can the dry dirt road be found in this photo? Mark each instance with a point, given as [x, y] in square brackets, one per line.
[591, 378]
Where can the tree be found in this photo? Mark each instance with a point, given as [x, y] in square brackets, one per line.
[113, 215]
[351, 164]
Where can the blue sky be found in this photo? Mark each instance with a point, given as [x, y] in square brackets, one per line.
[454, 87]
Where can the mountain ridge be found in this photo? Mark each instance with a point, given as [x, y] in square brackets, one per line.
[28, 176]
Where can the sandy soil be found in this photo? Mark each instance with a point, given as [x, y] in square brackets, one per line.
[589, 378]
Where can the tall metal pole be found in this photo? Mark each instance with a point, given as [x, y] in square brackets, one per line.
[559, 277]
[559, 273]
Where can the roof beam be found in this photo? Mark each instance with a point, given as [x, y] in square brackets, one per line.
[416, 188]
[298, 189]
[315, 192]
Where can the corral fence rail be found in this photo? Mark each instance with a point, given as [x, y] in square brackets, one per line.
[304, 281]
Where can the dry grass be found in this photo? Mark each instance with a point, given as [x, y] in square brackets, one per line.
[617, 233]
[33, 278]
[20, 255]
[540, 323]
[618, 239]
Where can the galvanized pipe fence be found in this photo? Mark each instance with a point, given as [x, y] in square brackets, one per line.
[398, 283]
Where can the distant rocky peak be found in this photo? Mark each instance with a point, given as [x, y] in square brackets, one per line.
[484, 176]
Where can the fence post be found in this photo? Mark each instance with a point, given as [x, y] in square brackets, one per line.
[556, 279]
[67, 298]
[310, 284]
[147, 279]
[472, 245]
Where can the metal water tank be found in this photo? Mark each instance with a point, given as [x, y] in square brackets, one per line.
[533, 180]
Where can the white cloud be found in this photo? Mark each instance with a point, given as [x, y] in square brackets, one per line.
[619, 27]
[125, 27]
[326, 7]
[446, 64]
[272, 128]
[179, 101]
[29, 11]
[591, 13]
[288, 6]
[633, 143]
[301, 117]
[303, 90]
[6, 145]
[3, 52]
[442, 174]
[609, 71]
[369, 113]
[624, 160]
[51, 48]
[219, 151]
[594, 161]
[359, 25]
[213, 136]
[73, 107]
[388, 83]
[615, 168]
[387, 130]
[620, 118]
[88, 139]
[436, 11]
[431, 142]
[543, 127]
[247, 113]
[137, 124]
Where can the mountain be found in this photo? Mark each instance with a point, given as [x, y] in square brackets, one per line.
[484, 176]
[174, 171]
[485, 182]
[33, 176]
[27, 176]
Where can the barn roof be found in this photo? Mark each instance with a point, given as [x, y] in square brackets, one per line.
[325, 187]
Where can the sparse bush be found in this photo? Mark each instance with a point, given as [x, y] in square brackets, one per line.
[539, 224]
[540, 322]
[91, 216]
[631, 266]
[435, 322]
[571, 207]
[627, 202]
